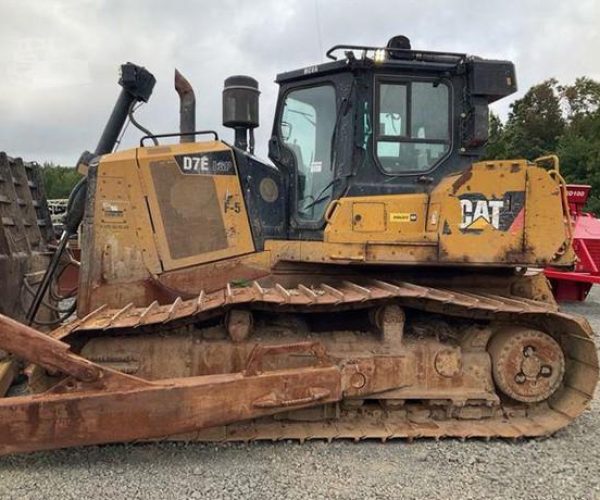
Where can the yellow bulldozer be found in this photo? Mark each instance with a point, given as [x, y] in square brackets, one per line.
[374, 279]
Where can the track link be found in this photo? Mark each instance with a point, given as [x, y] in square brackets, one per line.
[512, 420]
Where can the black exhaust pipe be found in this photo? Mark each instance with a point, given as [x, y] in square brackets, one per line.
[187, 107]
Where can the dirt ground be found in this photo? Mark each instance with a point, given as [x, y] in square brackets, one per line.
[563, 467]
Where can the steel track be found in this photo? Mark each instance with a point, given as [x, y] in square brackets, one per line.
[372, 422]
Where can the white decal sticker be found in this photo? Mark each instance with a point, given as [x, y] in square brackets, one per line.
[195, 164]
[480, 211]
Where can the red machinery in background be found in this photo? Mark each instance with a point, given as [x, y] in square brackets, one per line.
[575, 285]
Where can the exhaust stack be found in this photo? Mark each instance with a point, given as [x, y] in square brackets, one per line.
[187, 107]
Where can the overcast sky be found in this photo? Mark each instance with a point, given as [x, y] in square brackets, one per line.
[59, 58]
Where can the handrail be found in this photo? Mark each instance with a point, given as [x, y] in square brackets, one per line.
[562, 185]
[416, 54]
[178, 134]
[553, 158]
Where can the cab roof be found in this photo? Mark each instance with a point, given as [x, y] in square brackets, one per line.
[378, 58]
[492, 79]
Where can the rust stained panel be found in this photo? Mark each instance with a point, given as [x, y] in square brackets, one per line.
[479, 215]
[95, 402]
[198, 214]
[190, 211]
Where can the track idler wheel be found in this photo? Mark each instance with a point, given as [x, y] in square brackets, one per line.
[527, 365]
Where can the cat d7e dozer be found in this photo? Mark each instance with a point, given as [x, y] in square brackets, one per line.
[374, 280]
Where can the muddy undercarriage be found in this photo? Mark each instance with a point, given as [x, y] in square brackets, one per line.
[411, 360]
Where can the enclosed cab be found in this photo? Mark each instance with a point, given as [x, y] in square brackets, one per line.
[392, 121]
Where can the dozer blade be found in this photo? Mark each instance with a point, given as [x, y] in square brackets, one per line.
[94, 405]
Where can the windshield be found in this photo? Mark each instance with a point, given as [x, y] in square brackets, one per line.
[306, 128]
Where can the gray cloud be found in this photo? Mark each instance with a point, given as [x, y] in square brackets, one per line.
[59, 59]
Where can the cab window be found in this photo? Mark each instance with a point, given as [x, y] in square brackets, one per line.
[306, 128]
[412, 125]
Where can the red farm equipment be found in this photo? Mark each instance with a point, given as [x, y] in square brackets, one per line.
[575, 285]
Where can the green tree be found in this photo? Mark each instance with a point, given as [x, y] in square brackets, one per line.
[582, 98]
[552, 118]
[58, 180]
[579, 146]
[535, 122]
[496, 147]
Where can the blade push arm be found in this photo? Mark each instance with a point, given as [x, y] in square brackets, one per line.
[94, 405]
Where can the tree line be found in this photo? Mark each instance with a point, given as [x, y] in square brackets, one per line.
[58, 180]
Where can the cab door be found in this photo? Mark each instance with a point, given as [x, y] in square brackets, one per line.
[306, 129]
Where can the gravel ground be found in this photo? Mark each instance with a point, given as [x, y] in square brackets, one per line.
[565, 466]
